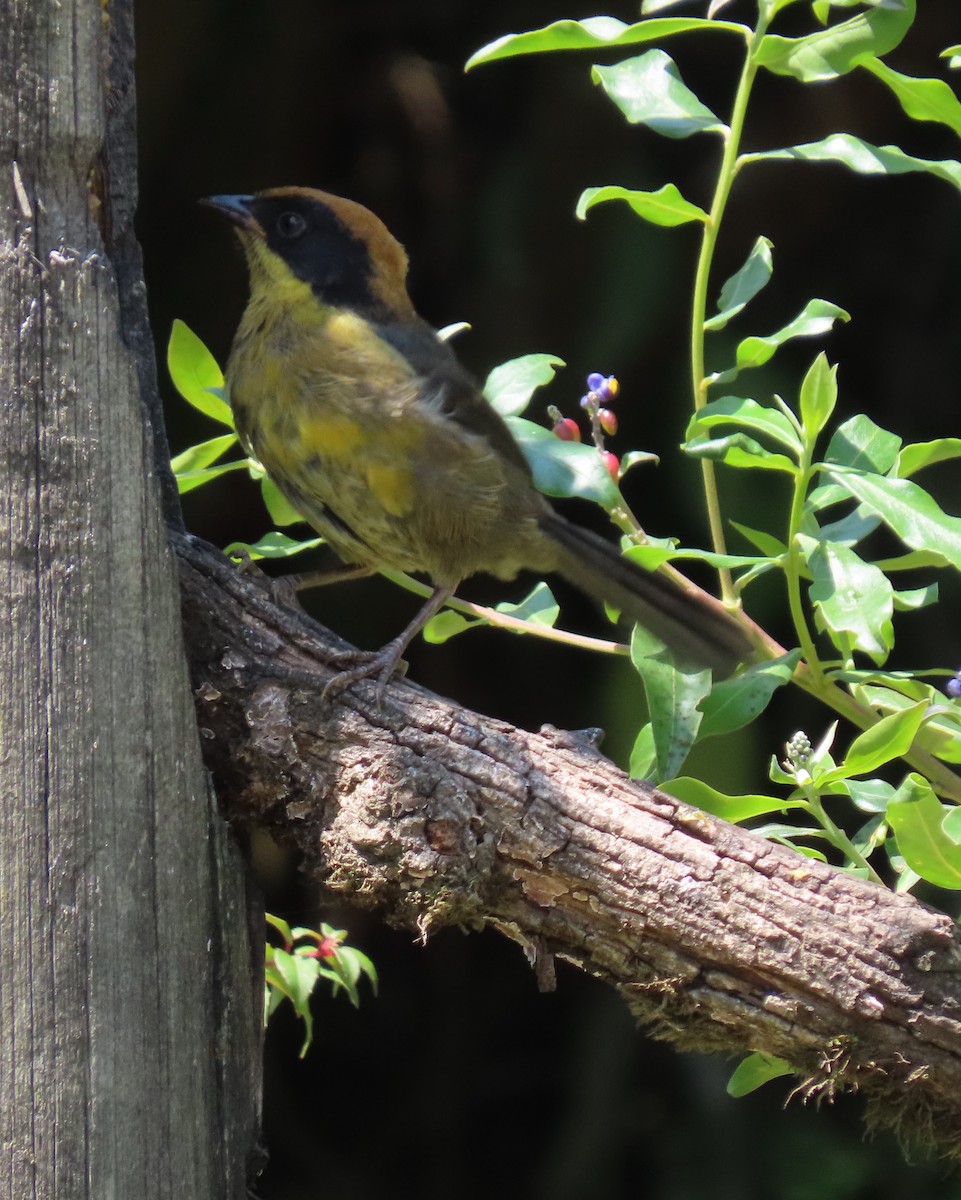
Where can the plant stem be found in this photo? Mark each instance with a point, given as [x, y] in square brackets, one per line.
[732, 145]
[792, 567]
[837, 836]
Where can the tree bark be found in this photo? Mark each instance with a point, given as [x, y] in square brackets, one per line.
[128, 983]
[716, 939]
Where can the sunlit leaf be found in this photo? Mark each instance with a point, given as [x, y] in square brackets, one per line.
[196, 375]
[861, 444]
[831, 52]
[593, 33]
[564, 468]
[273, 545]
[891, 738]
[861, 156]
[741, 410]
[918, 818]
[918, 455]
[739, 450]
[907, 509]
[953, 55]
[187, 481]
[666, 206]
[744, 284]
[509, 387]
[203, 454]
[916, 598]
[538, 606]
[819, 395]
[282, 512]
[649, 90]
[734, 703]
[921, 99]
[817, 317]
[853, 598]
[729, 808]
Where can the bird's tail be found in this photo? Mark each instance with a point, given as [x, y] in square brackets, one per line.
[697, 629]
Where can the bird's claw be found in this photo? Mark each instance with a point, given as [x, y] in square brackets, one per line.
[377, 665]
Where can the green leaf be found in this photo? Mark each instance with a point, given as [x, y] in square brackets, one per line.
[196, 375]
[861, 444]
[849, 530]
[299, 975]
[738, 450]
[729, 808]
[653, 554]
[767, 543]
[740, 410]
[281, 926]
[643, 754]
[891, 738]
[649, 90]
[863, 157]
[538, 606]
[916, 598]
[819, 395]
[734, 703]
[673, 695]
[822, 8]
[755, 1070]
[591, 34]
[447, 624]
[282, 512]
[921, 99]
[272, 545]
[637, 458]
[911, 561]
[918, 819]
[853, 598]
[917, 455]
[203, 453]
[907, 509]
[664, 207]
[509, 387]
[353, 963]
[744, 284]
[564, 468]
[831, 52]
[870, 795]
[187, 481]
[817, 317]
[953, 55]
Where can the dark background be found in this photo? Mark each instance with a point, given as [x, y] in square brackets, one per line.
[461, 1080]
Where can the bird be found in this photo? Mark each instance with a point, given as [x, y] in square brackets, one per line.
[371, 428]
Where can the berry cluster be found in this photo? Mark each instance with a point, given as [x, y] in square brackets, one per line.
[601, 391]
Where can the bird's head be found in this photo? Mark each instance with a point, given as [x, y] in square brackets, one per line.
[294, 236]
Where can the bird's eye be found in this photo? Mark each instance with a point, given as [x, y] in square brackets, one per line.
[290, 225]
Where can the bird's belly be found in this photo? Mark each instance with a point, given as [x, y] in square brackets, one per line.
[399, 490]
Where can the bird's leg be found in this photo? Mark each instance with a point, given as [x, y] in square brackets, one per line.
[381, 664]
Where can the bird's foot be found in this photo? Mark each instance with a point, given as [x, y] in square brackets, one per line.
[378, 665]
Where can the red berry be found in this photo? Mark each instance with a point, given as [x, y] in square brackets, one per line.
[612, 463]
[567, 429]
[608, 421]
